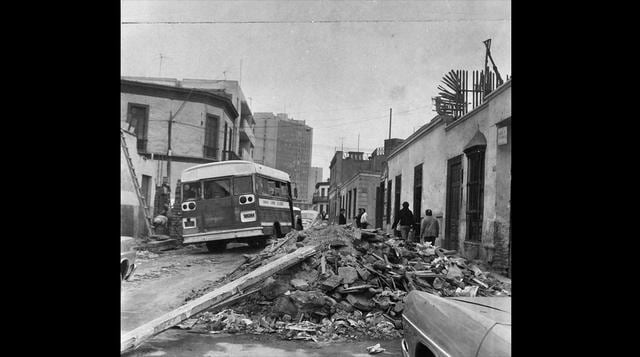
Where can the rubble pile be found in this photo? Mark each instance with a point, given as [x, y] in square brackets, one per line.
[354, 287]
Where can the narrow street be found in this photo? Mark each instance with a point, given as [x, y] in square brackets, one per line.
[163, 282]
[175, 342]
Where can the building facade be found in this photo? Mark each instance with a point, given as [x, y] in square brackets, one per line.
[320, 199]
[461, 170]
[344, 169]
[315, 176]
[209, 124]
[285, 144]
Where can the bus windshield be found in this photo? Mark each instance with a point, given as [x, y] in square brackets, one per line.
[191, 190]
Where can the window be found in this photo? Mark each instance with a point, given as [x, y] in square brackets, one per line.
[475, 193]
[224, 145]
[265, 186]
[218, 188]
[242, 185]
[138, 120]
[191, 191]
[397, 196]
[211, 137]
[389, 184]
[417, 192]
[355, 195]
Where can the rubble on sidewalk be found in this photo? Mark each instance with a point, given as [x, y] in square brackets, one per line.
[353, 287]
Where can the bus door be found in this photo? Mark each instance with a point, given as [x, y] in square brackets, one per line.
[217, 208]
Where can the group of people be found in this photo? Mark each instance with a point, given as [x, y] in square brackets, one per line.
[361, 219]
[429, 227]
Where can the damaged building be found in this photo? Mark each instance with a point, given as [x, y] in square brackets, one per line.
[460, 168]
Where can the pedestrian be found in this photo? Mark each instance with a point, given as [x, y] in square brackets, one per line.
[342, 219]
[406, 220]
[357, 218]
[429, 228]
[363, 219]
[299, 226]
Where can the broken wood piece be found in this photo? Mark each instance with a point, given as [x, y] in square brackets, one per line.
[377, 256]
[137, 336]
[484, 285]
[323, 264]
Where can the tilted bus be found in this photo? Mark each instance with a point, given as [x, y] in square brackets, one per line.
[235, 201]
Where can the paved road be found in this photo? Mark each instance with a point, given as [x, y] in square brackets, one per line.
[161, 284]
[181, 343]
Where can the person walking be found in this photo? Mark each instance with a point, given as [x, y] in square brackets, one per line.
[429, 228]
[342, 219]
[405, 218]
[363, 219]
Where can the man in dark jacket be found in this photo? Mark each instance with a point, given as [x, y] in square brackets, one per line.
[429, 228]
[405, 218]
[342, 219]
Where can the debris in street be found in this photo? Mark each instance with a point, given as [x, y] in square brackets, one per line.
[375, 349]
[349, 288]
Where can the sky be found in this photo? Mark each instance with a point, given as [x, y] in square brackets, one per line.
[338, 65]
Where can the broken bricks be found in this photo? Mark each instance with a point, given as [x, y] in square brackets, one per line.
[348, 274]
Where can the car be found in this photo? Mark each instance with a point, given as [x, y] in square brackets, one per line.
[308, 217]
[127, 257]
[456, 326]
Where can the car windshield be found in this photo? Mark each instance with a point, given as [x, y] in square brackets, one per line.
[309, 214]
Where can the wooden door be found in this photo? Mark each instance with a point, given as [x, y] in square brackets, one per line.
[454, 198]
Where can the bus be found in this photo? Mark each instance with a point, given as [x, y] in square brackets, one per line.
[235, 201]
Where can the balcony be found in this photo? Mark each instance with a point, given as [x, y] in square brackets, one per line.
[317, 198]
[229, 155]
[246, 133]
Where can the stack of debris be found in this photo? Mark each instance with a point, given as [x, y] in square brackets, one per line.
[354, 287]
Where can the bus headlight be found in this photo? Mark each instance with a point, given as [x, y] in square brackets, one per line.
[188, 206]
[245, 199]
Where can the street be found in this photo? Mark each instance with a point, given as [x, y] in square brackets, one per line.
[181, 343]
[162, 283]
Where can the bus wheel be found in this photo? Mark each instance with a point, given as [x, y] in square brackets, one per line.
[214, 247]
[277, 231]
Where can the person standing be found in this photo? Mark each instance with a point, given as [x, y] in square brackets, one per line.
[405, 219]
[363, 219]
[342, 219]
[357, 218]
[429, 228]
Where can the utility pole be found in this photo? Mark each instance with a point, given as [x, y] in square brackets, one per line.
[358, 143]
[169, 149]
[390, 112]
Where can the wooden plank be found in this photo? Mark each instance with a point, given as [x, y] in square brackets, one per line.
[134, 338]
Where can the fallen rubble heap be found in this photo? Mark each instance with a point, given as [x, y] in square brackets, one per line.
[354, 286]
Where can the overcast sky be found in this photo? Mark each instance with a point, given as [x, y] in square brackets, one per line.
[340, 73]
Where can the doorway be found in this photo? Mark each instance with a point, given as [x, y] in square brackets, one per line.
[454, 199]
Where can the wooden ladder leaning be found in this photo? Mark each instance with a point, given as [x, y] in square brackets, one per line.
[143, 202]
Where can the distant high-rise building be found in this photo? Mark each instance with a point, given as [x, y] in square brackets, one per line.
[285, 144]
[315, 176]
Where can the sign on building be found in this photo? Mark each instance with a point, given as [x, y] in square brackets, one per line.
[502, 135]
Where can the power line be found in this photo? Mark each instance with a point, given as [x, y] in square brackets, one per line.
[306, 21]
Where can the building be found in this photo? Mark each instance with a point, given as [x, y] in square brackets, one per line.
[285, 144]
[320, 199]
[352, 183]
[211, 122]
[460, 168]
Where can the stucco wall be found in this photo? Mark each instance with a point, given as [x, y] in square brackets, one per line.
[186, 140]
[442, 143]
[131, 214]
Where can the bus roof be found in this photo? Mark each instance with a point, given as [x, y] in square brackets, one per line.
[230, 168]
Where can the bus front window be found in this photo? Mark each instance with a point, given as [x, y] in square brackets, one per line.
[190, 191]
[217, 188]
[242, 185]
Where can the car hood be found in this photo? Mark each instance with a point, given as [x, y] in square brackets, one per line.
[457, 325]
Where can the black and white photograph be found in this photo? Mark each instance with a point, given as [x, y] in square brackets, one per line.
[315, 178]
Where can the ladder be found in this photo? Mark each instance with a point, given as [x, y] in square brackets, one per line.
[136, 185]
